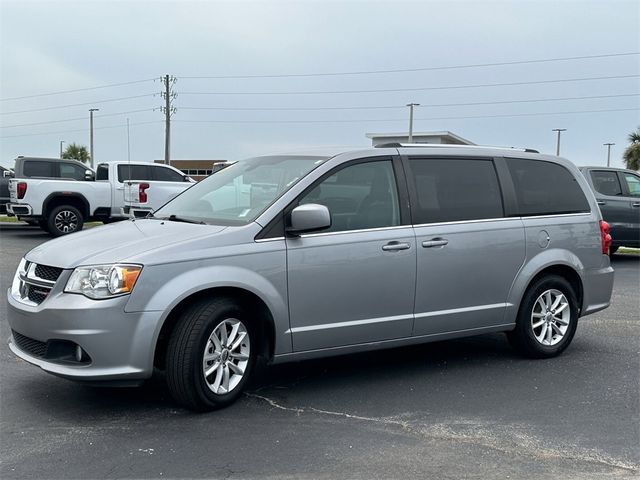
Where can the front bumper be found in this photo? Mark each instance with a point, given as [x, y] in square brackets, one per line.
[119, 346]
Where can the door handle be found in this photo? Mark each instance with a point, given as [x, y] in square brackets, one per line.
[601, 202]
[395, 246]
[636, 204]
[436, 242]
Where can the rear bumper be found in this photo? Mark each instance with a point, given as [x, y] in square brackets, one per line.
[598, 286]
[21, 209]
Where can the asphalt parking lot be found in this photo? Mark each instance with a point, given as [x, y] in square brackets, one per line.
[468, 408]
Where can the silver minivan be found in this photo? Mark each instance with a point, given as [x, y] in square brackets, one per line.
[299, 256]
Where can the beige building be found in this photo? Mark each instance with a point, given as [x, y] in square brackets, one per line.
[196, 169]
[444, 137]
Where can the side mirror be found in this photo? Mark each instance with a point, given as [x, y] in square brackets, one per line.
[89, 176]
[310, 217]
[7, 174]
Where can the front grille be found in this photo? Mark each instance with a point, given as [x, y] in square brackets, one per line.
[37, 294]
[29, 345]
[48, 273]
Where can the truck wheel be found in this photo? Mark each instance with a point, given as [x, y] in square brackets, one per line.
[64, 219]
[547, 319]
[211, 354]
[613, 250]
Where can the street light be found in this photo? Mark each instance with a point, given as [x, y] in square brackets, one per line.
[61, 142]
[608, 145]
[411, 105]
[558, 141]
[91, 110]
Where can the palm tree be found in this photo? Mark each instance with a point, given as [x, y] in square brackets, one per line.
[631, 155]
[76, 152]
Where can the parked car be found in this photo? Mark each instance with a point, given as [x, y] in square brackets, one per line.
[302, 256]
[617, 192]
[37, 167]
[5, 175]
[62, 206]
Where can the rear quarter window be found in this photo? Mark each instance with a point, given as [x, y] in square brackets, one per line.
[38, 168]
[545, 188]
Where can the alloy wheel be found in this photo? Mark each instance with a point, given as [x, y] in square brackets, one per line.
[226, 356]
[550, 317]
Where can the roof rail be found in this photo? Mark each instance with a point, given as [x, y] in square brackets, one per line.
[450, 145]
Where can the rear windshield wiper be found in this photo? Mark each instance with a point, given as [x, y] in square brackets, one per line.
[174, 218]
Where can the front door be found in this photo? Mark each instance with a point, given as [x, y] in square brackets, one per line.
[468, 253]
[353, 283]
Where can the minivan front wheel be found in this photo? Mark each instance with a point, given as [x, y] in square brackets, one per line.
[210, 355]
[547, 319]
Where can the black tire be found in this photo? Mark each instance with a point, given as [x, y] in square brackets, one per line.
[523, 337]
[44, 225]
[613, 250]
[32, 223]
[186, 350]
[74, 223]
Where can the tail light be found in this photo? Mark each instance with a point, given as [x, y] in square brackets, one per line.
[605, 235]
[142, 192]
[21, 189]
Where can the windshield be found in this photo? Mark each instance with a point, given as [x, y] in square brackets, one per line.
[239, 193]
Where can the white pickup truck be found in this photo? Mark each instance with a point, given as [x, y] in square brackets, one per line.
[120, 190]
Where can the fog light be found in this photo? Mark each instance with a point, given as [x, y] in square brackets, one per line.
[78, 353]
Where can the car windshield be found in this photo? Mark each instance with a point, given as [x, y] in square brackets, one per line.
[239, 193]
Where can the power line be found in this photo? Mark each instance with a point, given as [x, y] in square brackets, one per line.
[79, 130]
[404, 119]
[403, 106]
[77, 90]
[420, 69]
[76, 118]
[317, 92]
[78, 104]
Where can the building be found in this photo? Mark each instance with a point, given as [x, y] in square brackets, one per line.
[196, 169]
[444, 137]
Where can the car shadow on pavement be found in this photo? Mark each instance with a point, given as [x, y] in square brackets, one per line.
[66, 400]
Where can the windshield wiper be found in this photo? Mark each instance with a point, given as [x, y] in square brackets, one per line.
[174, 218]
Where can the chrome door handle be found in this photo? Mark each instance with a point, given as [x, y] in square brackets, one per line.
[436, 242]
[637, 204]
[395, 246]
[601, 202]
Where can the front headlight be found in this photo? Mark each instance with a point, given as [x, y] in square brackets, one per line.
[103, 281]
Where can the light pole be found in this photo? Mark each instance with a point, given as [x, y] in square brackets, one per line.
[91, 110]
[61, 142]
[608, 152]
[128, 143]
[411, 105]
[559, 130]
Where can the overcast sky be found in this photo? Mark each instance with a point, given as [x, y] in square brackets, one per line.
[54, 46]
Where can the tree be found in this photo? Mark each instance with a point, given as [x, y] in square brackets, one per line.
[631, 155]
[76, 152]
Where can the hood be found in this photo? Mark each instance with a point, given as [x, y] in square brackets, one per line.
[117, 242]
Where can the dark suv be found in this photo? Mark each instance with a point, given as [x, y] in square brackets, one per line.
[618, 194]
[34, 167]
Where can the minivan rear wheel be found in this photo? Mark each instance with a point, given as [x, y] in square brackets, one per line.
[547, 319]
[211, 354]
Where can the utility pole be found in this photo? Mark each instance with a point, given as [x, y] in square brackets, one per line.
[169, 95]
[608, 153]
[128, 144]
[91, 110]
[559, 130]
[61, 142]
[411, 105]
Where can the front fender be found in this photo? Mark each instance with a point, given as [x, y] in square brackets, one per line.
[164, 296]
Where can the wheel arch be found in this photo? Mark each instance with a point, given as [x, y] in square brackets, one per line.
[562, 263]
[256, 306]
[56, 199]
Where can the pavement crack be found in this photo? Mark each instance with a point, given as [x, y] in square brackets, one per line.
[506, 441]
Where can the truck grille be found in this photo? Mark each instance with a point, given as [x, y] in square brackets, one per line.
[29, 345]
